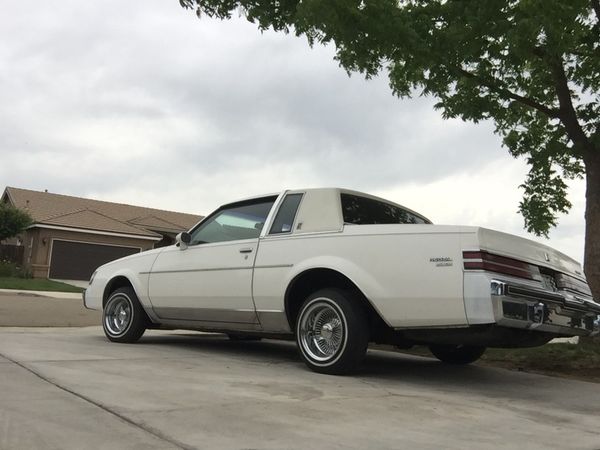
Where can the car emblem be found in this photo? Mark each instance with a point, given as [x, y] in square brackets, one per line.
[444, 261]
[546, 256]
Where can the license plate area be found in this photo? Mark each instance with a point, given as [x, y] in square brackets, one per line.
[549, 283]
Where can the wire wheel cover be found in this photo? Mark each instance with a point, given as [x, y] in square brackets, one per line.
[118, 314]
[321, 331]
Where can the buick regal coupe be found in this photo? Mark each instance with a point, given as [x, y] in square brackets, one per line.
[336, 269]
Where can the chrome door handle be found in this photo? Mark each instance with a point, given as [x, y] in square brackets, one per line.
[246, 250]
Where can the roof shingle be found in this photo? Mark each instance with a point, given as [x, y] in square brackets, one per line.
[77, 212]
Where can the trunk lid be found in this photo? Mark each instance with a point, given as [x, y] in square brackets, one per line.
[526, 250]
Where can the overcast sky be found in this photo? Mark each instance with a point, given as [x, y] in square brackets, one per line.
[140, 102]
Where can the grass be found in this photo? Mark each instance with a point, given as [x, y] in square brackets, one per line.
[576, 361]
[36, 284]
[581, 361]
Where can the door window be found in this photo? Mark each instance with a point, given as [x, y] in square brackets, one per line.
[242, 220]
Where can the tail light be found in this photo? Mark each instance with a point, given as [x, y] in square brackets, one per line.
[570, 283]
[482, 260]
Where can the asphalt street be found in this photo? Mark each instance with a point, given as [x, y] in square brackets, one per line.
[69, 388]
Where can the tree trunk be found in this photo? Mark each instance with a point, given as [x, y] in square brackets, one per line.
[592, 222]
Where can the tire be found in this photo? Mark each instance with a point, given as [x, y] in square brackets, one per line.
[332, 331]
[457, 354]
[242, 337]
[123, 318]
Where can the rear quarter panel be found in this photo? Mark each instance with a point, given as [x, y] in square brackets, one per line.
[411, 274]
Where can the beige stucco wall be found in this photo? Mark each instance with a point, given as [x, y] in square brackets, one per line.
[38, 244]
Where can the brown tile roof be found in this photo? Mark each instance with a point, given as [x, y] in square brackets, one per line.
[76, 212]
[93, 220]
[154, 223]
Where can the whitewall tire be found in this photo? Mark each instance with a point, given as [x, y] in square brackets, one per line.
[123, 318]
[332, 331]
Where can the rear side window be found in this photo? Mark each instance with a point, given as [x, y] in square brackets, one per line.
[284, 220]
[367, 211]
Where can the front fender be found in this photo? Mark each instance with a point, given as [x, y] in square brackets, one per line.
[134, 269]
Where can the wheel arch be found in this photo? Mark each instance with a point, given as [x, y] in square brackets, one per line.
[115, 283]
[313, 279]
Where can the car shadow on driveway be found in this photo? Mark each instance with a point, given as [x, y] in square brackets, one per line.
[378, 364]
[394, 372]
[220, 344]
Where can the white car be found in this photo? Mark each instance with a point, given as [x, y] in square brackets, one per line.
[338, 269]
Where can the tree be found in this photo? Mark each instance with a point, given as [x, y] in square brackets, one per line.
[530, 66]
[12, 221]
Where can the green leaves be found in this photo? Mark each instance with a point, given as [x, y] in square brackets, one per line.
[531, 66]
[12, 221]
[545, 195]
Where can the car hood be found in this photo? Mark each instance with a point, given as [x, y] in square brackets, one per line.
[148, 255]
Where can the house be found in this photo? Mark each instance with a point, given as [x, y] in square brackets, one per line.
[72, 236]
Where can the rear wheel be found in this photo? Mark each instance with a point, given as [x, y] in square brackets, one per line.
[332, 331]
[457, 354]
[123, 318]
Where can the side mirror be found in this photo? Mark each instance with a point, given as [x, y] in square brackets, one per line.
[183, 239]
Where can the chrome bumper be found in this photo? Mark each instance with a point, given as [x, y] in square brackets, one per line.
[83, 297]
[519, 306]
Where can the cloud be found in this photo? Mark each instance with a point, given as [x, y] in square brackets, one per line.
[140, 102]
[490, 198]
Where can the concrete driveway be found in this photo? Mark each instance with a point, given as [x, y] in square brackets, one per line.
[45, 309]
[70, 388]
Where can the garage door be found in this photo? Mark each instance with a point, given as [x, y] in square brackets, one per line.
[78, 260]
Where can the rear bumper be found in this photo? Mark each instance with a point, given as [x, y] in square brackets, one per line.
[525, 307]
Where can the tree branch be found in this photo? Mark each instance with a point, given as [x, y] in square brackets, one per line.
[550, 112]
[596, 8]
[567, 113]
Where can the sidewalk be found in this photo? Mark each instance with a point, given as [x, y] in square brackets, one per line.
[79, 283]
[67, 295]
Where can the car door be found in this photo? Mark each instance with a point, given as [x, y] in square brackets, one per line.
[210, 279]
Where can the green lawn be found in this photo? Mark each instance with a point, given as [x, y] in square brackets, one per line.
[580, 361]
[36, 284]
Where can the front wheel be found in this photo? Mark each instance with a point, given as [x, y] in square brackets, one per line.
[332, 331]
[123, 318]
[457, 354]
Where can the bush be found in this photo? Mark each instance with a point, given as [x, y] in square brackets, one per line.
[12, 221]
[10, 269]
[7, 269]
[590, 341]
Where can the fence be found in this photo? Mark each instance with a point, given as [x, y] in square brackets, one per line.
[12, 253]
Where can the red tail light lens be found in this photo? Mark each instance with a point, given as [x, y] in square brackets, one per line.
[482, 260]
[570, 283]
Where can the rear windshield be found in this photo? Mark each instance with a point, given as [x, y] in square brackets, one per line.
[367, 211]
